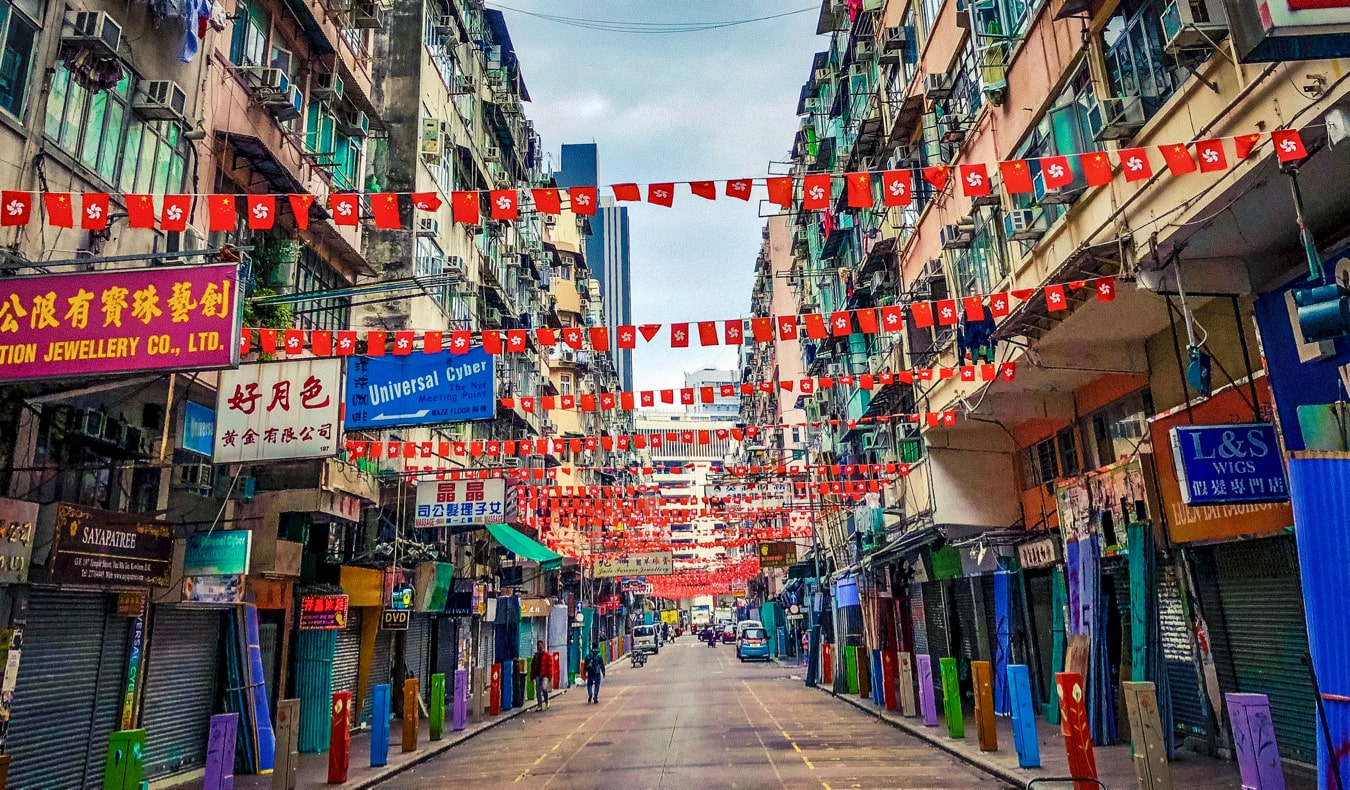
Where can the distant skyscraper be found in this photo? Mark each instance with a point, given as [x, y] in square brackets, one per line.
[607, 247]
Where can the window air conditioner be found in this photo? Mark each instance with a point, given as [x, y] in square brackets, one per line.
[366, 15]
[428, 226]
[550, 219]
[162, 100]
[937, 87]
[953, 128]
[97, 29]
[1193, 24]
[287, 106]
[1116, 118]
[265, 80]
[326, 86]
[454, 266]
[893, 40]
[465, 83]
[958, 236]
[355, 125]
[863, 50]
[1020, 225]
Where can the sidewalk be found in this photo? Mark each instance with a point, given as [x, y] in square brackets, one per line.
[1115, 765]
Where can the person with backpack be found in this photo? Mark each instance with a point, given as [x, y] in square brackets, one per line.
[595, 669]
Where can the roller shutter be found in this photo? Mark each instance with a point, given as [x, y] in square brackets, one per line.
[447, 640]
[180, 689]
[1040, 599]
[990, 612]
[347, 655]
[68, 697]
[935, 618]
[969, 648]
[379, 669]
[417, 651]
[1190, 714]
[917, 621]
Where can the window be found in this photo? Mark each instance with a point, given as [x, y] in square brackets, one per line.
[981, 267]
[102, 132]
[1119, 429]
[1135, 62]
[313, 275]
[17, 33]
[1064, 130]
[249, 43]
[565, 385]
[928, 18]
[1039, 460]
[1068, 453]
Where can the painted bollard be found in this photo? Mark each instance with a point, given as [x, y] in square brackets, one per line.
[1146, 733]
[1023, 717]
[220, 743]
[827, 663]
[436, 710]
[1258, 755]
[479, 692]
[287, 768]
[927, 693]
[459, 703]
[905, 682]
[124, 766]
[495, 691]
[340, 737]
[410, 699]
[889, 672]
[851, 669]
[380, 703]
[877, 680]
[864, 659]
[555, 666]
[529, 676]
[951, 698]
[981, 673]
[1077, 735]
[508, 679]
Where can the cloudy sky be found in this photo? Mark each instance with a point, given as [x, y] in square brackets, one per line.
[713, 104]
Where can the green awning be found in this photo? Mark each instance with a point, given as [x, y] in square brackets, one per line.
[525, 547]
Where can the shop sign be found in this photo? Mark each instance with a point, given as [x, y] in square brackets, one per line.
[433, 586]
[398, 588]
[218, 553]
[1229, 464]
[420, 389]
[480, 599]
[605, 604]
[101, 548]
[273, 411]
[670, 616]
[654, 563]
[395, 620]
[1040, 553]
[16, 539]
[535, 607]
[777, 554]
[226, 589]
[323, 612]
[91, 323]
[633, 585]
[460, 604]
[465, 503]
[135, 648]
[199, 428]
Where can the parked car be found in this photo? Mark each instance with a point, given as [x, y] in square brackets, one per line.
[644, 639]
[753, 643]
[728, 634]
[744, 624]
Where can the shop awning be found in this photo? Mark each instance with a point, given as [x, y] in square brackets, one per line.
[525, 547]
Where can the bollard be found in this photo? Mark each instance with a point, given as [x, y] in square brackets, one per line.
[981, 673]
[478, 692]
[220, 744]
[340, 737]
[877, 680]
[436, 710]
[287, 768]
[1150, 750]
[906, 685]
[459, 703]
[518, 683]
[864, 659]
[1254, 741]
[380, 703]
[1077, 736]
[529, 677]
[889, 672]
[1023, 717]
[951, 698]
[851, 669]
[927, 693]
[495, 691]
[826, 663]
[124, 767]
[555, 667]
[508, 681]
[410, 699]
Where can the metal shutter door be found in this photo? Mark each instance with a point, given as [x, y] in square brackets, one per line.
[269, 641]
[990, 612]
[965, 615]
[1262, 598]
[1041, 601]
[1190, 714]
[487, 644]
[417, 651]
[379, 670]
[935, 618]
[347, 655]
[180, 689]
[68, 697]
[917, 623]
[446, 648]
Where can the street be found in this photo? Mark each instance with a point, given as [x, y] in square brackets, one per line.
[695, 717]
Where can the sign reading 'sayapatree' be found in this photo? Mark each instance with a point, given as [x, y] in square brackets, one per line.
[1223, 464]
[420, 389]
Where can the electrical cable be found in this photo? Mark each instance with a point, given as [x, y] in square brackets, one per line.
[626, 26]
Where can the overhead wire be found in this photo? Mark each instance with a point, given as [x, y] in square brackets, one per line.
[650, 28]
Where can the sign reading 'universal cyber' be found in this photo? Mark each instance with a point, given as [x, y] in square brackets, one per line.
[1220, 464]
[168, 318]
[420, 389]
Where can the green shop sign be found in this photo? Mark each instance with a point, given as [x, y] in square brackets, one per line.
[218, 553]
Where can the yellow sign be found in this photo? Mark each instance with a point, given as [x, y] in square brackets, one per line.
[670, 616]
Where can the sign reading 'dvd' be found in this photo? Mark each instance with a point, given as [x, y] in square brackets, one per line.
[102, 548]
[395, 620]
[1223, 464]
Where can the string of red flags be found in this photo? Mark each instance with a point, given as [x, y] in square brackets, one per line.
[731, 331]
[387, 210]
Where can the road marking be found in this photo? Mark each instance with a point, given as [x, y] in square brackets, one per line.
[767, 754]
[797, 748]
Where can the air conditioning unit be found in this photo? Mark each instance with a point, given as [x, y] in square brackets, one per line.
[1193, 24]
[567, 355]
[338, 6]
[355, 125]
[825, 74]
[937, 87]
[97, 30]
[511, 462]
[288, 106]
[265, 80]
[465, 83]
[366, 15]
[835, 369]
[244, 488]
[492, 152]
[325, 86]
[863, 49]
[433, 140]
[958, 236]
[492, 315]
[428, 226]
[161, 100]
[446, 25]
[453, 266]
[194, 476]
[1061, 197]
[953, 128]
[1116, 118]
[1020, 225]
[550, 219]
[893, 41]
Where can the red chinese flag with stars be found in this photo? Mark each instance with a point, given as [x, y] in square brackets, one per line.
[60, 214]
[547, 201]
[140, 211]
[780, 190]
[897, 187]
[661, 194]
[599, 338]
[1243, 145]
[627, 192]
[375, 342]
[492, 341]
[300, 206]
[704, 189]
[859, 190]
[762, 329]
[974, 180]
[740, 188]
[464, 207]
[583, 200]
[921, 314]
[1016, 177]
[384, 208]
[1211, 155]
[505, 204]
[1178, 158]
[174, 212]
[431, 342]
[1096, 168]
[222, 212]
[974, 307]
[937, 176]
[545, 337]
[707, 333]
[346, 209]
[679, 335]
[321, 341]
[815, 326]
[1288, 145]
[1134, 164]
[867, 321]
[261, 211]
[816, 192]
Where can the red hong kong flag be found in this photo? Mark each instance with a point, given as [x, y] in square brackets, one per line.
[1134, 163]
[584, 200]
[893, 318]
[816, 192]
[346, 209]
[661, 194]
[175, 212]
[647, 398]
[1096, 168]
[679, 335]
[734, 331]
[384, 207]
[464, 207]
[974, 180]
[1106, 289]
[840, 325]
[627, 337]
[1055, 171]
[403, 343]
[704, 189]
[859, 190]
[140, 211]
[1016, 177]
[787, 327]
[505, 204]
[262, 211]
[17, 207]
[780, 190]
[346, 343]
[1054, 297]
[946, 312]
[998, 304]
[60, 214]
[547, 201]
[739, 188]
[897, 187]
[300, 206]
[571, 335]
[1211, 155]
[628, 192]
[1288, 145]
[426, 201]
[94, 214]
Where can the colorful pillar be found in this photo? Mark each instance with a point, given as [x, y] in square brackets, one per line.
[124, 767]
[529, 677]
[981, 672]
[495, 691]
[459, 703]
[951, 698]
[508, 677]
[851, 668]
[379, 724]
[1258, 755]
[889, 671]
[287, 768]
[1023, 717]
[906, 685]
[340, 737]
[410, 693]
[479, 691]
[436, 710]
[555, 667]
[927, 694]
[1146, 733]
[220, 744]
[827, 663]
[1077, 736]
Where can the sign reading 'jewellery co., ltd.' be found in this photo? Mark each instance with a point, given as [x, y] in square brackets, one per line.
[102, 548]
[1226, 464]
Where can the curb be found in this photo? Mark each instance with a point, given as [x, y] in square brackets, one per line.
[928, 735]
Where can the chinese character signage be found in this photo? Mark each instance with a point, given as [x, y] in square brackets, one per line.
[1228, 464]
[777, 554]
[323, 612]
[16, 539]
[464, 503]
[278, 410]
[420, 389]
[102, 548]
[77, 325]
[655, 563]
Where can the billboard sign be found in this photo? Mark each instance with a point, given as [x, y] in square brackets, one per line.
[465, 503]
[323, 612]
[777, 554]
[104, 549]
[218, 553]
[654, 563]
[1229, 464]
[420, 389]
[17, 520]
[91, 323]
[199, 428]
[274, 411]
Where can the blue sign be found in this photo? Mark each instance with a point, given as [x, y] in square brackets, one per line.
[420, 389]
[1229, 464]
[199, 428]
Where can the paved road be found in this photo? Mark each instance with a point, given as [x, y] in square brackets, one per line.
[695, 718]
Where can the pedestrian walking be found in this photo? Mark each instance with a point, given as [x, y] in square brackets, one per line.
[539, 672]
[595, 669]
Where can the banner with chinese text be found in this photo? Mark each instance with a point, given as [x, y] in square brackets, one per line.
[465, 503]
[278, 410]
[656, 563]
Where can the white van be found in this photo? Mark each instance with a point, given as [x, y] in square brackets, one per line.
[644, 639]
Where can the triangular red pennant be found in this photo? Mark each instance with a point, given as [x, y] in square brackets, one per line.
[649, 331]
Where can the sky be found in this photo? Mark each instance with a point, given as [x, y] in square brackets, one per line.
[707, 105]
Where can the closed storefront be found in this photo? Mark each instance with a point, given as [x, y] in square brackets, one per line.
[417, 651]
[917, 619]
[347, 655]
[380, 669]
[935, 620]
[68, 699]
[1190, 712]
[180, 688]
[447, 653]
